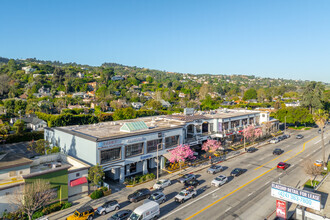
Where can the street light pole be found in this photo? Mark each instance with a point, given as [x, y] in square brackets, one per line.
[244, 136]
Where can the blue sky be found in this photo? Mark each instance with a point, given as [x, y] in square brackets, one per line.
[278, 39]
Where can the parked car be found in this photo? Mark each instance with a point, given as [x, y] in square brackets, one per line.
[108, 207]
[162, 184]
[192, 182]
[139, 195]
[158, 197]
[282, 165]
[149, 210]
[299, 136]
[121, 215]
[251, 150]
[318, 163]
[86, 212]
[278, 151]
[319, 131]
[219, 180]
[274, 141]
[287, 136]
[186, 194]
[280, 138]
[214, 169]
[237, 172]
[187, 177]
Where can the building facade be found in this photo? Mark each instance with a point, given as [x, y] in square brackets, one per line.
[128, 147]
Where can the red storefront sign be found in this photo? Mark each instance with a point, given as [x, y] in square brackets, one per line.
[77, 182]
[281, 210]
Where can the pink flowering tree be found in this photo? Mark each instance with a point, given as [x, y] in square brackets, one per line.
[211, 145]
[181, 153]
[251, 133]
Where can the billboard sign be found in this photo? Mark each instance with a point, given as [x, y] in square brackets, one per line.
[281, 210]
[297, 196]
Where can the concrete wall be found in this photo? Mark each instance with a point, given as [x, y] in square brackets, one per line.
[21, 170]
[80, 189]
[72, 145]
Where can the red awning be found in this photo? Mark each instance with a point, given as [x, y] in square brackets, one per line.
[77, 182]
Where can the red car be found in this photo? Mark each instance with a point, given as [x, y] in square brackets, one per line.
[282, 165]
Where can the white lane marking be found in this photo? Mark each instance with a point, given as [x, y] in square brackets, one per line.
[317, 141]
[250, 194]
[300, 159]
[267, 182]
[228, 209]
[171, 213]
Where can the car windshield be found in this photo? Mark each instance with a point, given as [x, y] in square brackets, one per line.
[76, 213]
[134, 216]
[181, 193]
[218, 178]
[159, 182]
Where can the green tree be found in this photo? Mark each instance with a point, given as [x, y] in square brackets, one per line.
[313, 96]
[4, 128]
[19, 126]
[250, 94]
[320, 117]
[124, 113]
[96, 174]
[10, 106]
[40, 146]
[155, 105]
[150, 79]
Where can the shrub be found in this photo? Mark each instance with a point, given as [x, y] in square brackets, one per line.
[66, 205]
[26, 136]
[97, 194]
[37, 214]
[104, 188]
[55, 207]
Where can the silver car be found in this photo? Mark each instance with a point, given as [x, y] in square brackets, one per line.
[162, 184]
[187, 177]
[158, 197]
[108, 207]
[214, 169]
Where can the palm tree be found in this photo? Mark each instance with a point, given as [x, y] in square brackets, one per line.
[320, 117]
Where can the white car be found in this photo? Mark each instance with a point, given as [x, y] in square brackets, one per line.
[162, 184]
[219, 180]
[274, 141]
[185, 195]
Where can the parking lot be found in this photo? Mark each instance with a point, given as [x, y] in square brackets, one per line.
[18, 148]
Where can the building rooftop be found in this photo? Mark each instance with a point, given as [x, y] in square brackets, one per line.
[229, 113]
[13, 160]
[110, 130]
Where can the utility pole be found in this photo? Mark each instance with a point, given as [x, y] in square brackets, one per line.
[244, 135]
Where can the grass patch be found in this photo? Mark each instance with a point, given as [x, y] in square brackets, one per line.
[310, 184]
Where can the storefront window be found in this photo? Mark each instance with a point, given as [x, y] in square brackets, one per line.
[152, 145]
[172, 141]
[133, 150]
[110, 155]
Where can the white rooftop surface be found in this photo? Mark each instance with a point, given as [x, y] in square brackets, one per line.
[112, 129]
[229, 113]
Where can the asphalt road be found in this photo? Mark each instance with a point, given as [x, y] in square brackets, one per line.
[247, 196]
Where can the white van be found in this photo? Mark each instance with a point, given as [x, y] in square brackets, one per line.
[149, 210]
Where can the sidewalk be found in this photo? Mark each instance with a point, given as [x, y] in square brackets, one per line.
[120, 192]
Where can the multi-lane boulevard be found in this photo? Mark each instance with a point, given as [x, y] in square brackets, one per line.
[246, 196]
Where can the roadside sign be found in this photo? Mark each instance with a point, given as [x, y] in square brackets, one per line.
[297, 196]
[281, 209]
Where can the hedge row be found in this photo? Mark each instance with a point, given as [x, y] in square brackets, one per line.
[67, 119]
[26, 136]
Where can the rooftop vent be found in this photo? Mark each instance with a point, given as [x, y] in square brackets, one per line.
[134, 126]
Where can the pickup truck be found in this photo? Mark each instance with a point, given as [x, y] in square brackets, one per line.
[185, 195]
